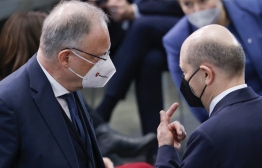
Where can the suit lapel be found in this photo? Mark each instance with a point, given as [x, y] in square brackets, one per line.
[72, 130]
[89, 125]
[50, 109]
[86, 116]
[234, 97]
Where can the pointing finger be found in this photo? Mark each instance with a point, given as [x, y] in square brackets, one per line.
[172, 109]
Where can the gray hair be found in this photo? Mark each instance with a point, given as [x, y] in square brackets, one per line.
[67, 24]
[228, 57]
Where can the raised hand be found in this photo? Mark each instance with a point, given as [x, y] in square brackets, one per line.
[170, 133]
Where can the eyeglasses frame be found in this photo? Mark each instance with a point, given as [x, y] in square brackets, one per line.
[87, 53]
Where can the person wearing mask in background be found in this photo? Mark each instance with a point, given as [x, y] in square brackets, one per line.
[44, 122]
[20, 38]
[243, 18]
[139, 57]
[213, 65]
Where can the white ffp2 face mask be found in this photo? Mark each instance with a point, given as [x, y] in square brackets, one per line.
[99, 74]
[205, 17]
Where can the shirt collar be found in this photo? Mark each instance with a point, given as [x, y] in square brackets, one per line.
[222, 95]
[58, 89]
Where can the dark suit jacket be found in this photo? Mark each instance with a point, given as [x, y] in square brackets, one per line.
[231, 137]
[33, 132]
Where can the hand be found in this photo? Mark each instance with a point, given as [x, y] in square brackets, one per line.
[108, 163]
[120, 10]
[170, 134]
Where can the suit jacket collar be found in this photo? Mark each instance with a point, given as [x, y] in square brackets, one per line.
[50, 109]
[234, 97]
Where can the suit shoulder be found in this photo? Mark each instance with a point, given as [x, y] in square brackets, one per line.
[250, 6]
[14, 83]
[178, 33]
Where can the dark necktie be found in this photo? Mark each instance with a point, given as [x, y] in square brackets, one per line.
[75, 115]
[78, 124]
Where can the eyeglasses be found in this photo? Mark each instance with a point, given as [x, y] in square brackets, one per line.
[103, 57]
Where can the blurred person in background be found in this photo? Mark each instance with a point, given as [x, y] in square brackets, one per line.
[19, 38]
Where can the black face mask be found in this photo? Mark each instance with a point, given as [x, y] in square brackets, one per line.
[189, 95]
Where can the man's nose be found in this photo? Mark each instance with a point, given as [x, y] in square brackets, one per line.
[198, 7]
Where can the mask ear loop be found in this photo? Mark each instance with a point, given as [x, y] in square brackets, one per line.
[82, 57]
[202, 92]
[190, 87]
[84, 60]
[75, 73]
[193, 74]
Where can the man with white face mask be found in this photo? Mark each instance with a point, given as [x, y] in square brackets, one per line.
[44, 121]
[99, 74]
[241, 17]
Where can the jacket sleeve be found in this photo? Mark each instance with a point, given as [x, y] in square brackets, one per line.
[159, 7]
[200, 151]
[172, 42]
[167, 156]
[9, 137]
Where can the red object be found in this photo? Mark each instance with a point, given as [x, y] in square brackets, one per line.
[135, 165]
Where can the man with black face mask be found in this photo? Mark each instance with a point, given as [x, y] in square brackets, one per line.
[241, 17]
[213, 64]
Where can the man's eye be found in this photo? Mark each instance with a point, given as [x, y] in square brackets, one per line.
[203, 1]
[188, 4]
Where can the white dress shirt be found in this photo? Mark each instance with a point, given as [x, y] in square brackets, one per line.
[58, 90]
[222, 95]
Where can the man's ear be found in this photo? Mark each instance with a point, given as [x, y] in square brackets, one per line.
[63, 57]
[209, 74]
